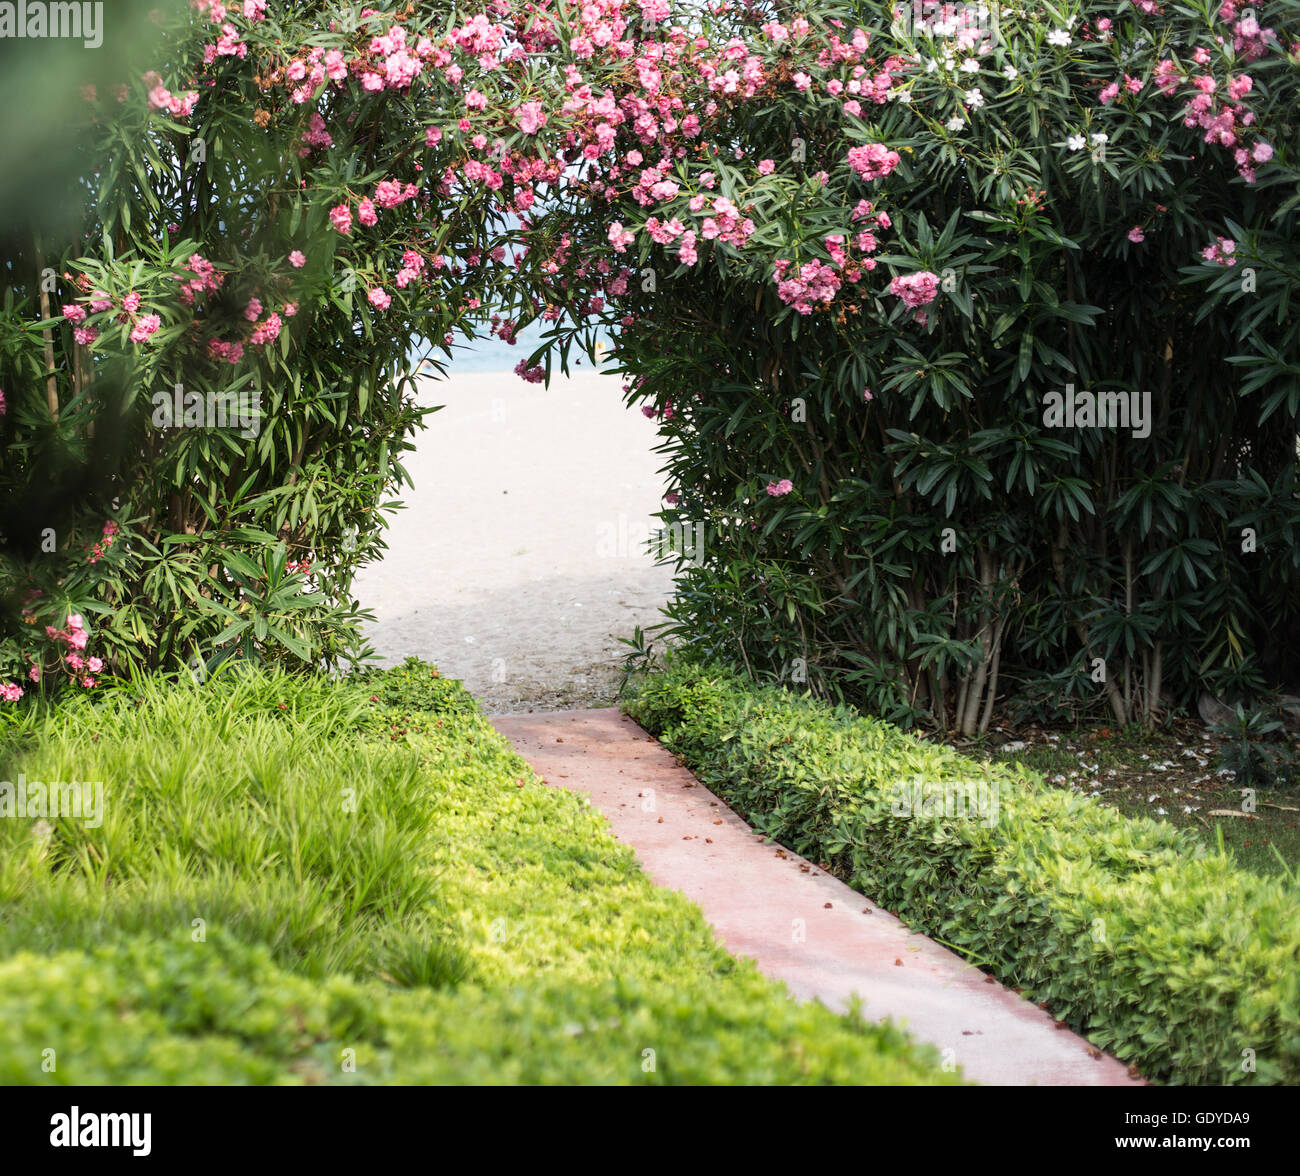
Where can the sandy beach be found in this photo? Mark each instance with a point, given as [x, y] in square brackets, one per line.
[517, 563]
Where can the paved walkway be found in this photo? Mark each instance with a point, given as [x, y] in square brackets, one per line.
[800, 925]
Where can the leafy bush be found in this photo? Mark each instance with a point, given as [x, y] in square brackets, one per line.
[1247, 751]
[458, 923]
[952, 222]
[1171, 957]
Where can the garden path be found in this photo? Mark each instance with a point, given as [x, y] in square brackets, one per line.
[799, 924]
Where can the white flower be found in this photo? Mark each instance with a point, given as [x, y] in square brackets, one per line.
[954, 123]
[903, 96]
[1102, 137]
[1058, 37]
[1076, 142]
[1011, 73]
[931, 66]
[970, 65]
[974, 98]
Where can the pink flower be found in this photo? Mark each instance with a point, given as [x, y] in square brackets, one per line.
[94, 665]
[1108, 95]
[145, 327]
[874, 161]
[131, 303]
[267, 332]
[366, 213]
[11, 692]
[74, 313]
[1261, 152]
[531, 118]
[88, 683]
[866, 395]
[1136, 235]
[341, 218]
[85, 336]
[916, 290]
[380, 298]
[34, 673]
[253, 311]
[620, 237]
[766, 167]
[432, 136]
[777, 489]
[290, 309]
[99, 302]
[297, 260]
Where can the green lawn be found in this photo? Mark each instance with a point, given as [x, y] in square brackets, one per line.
[303, 882]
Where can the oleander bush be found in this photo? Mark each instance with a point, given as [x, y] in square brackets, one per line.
[957, 218]
[371, 877]
[1165, 954]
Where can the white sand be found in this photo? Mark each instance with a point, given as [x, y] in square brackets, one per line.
[517, 564]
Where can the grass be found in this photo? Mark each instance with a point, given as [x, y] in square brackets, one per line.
[1167, 774]
[303, 882]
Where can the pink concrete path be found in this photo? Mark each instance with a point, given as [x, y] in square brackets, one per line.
[797, 923]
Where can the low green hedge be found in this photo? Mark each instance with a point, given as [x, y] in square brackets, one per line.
[387, 895]
[1169, 956]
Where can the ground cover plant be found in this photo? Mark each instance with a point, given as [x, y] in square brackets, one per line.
[299, 881]
[1163, 952]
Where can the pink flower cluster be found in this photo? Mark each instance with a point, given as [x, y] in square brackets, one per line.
[230, 352]
[781, 488]
[101, 546]
[1216, 109]
[534, 375]
[1220, 251]
[160, 98]
[75, 638]
[874, 161]
[916, 290]
[207, 279]
[802, 286]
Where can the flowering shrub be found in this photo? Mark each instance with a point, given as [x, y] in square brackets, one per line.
[846, 254]
[943, 230]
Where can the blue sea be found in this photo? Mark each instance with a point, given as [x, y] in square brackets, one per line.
[489, 354]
